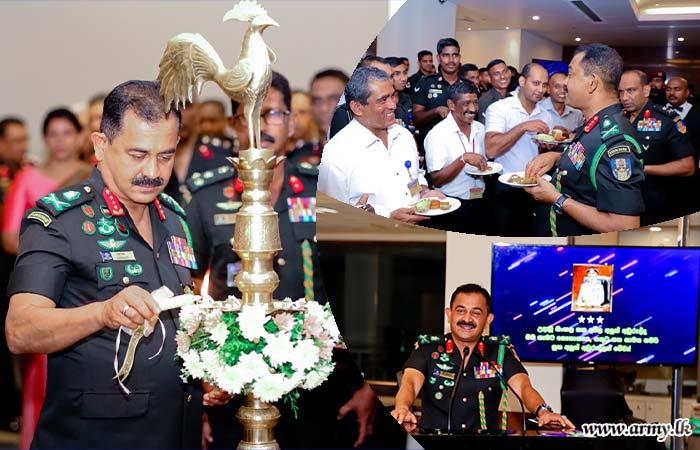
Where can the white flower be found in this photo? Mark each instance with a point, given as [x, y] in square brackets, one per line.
[313, 326]
[314, 309]
[326, 345]
[219, 333]
[210, 360]
[284, 321]
[272, 387]
[316, 377]
[212, 317]
[252, 319]
[332, 327]
[190, 318]
[193, 364]
[305, 355]
[252, 367]
[230, 379]
[279, 348]
[183, 342]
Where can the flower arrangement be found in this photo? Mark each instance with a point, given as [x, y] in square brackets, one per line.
[266, 350]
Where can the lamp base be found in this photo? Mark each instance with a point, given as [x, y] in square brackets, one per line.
[258, 419]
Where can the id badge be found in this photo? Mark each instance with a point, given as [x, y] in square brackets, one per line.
[476, 193]
[414, 188]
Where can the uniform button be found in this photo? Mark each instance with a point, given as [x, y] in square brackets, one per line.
[397, 174]
[88, 189]
[189, 398]
[464, 399]
[441, 387]
[157, 255]
[281, 261]
[125, 280]
[490, 389]
[464, 375]
[646, 137]
[315, 238]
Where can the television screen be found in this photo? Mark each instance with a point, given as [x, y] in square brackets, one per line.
[553, 66]
[597, 304]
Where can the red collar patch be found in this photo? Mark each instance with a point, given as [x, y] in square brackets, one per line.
[113, 203]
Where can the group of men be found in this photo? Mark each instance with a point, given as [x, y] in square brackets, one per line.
[91, 254]
[625, 160]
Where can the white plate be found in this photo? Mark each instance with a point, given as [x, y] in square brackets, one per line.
[494, 167]
[454, 205]
[540, 141]
[504, 179]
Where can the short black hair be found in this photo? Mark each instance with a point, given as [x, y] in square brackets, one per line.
[461, 87]
[280, 84]
[482, 70]
[423, 53]
[394, 61]
[473, 288]
[602, 60]
[494, 62]
[61, 113]
[464, 68]
[10, 120]
[447, 42]
[357, 88]
[369, 59]
[330, 73]
[142, 97]
[405, 60]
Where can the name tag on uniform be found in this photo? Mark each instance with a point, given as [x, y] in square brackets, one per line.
[577, 155]
[181, 253]
[117, 256]
[443, 374]
[225, 219]
[413, 187]
[476, 193]
[486, 370]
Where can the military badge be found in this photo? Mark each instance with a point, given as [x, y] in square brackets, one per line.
[486, 370]
[88, 211]
[229, 206]
[181, 253]
[88, 228]
[680, 126]
[621, 168]
[105, 227]
[577, 155]
[224, 219]
[435, 355]
[111, 244]
[71, 195]
[40, 217]
[301, 209]
[106, 273]
[134, 270]
[53, 200]
[205, 152]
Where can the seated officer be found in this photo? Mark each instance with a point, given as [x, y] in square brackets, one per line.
[436, 359]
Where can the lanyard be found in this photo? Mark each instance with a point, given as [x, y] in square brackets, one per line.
[459, 135]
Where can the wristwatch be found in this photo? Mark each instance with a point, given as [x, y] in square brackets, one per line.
[559, 204]
[541, 407]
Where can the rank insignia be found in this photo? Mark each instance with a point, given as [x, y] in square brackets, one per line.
[229, 206]
[296, 184]
[223, 169]
[448, 383]
[432, 380]
[444, 357]
[106, 273]
[441, 348]
[181, 253]
[134, 270]
[205, 152]
[121, 228]
[88, 211]
[485, 370]
[621, 168]
[435, 355]
[450, 346]
[53, 200]
[111, 244]
[71, 195]
[104, 209]
[115, 207]
[608, 132]
[301, 209]
[680, 126]
[577, 155]
[88, 228]
[40, 217]
[199, 182]
[105, 227]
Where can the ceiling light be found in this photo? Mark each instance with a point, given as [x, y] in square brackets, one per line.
[654, 228]
[507, 28]
[535, 17]
[469, 29]
[677, 52]
[681, 39]
[673, 10]
[578, 39]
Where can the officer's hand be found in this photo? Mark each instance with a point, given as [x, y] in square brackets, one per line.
[403, 415]
[553, 420]
[544, 192]
[363, 403]
[476, 160]
[131, 307]
[542, 164]
[433, 193]
[362, 204]
[442, 111]
[407, 215]
[535, 126]
[213, 396]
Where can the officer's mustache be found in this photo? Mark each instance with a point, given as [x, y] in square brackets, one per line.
[266, 137]
[466, 324]
[143, 180]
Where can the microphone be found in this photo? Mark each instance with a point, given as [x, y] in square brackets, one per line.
[481, 357]
[454, 389]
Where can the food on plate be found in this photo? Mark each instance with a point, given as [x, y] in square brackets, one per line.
[560, 133]
[434, 203]
[517, 179]
[422, 205]
[445, 205]
[544, 137]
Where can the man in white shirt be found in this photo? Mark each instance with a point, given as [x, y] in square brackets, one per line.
[372, 160]
[452, 147]
[677, 93]
[511, 124]
[559, 112]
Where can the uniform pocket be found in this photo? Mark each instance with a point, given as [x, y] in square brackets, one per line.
[113, 405]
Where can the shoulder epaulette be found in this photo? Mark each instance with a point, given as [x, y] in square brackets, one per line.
[610, 129]
[429, 339]
[199, 180]
[225, 142]
[306, 168]
[170, 202]
[497, 339]
[669, 112]
[58, 202]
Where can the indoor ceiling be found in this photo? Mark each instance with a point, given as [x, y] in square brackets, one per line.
[623, 22]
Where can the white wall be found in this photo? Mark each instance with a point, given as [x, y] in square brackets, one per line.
[480, 47]
[417, 25]
[535, 46]
[62, 52]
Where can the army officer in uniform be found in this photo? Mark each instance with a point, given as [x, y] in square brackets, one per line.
[598, 184]
[668, 152]
[89, 255]
[433, 367]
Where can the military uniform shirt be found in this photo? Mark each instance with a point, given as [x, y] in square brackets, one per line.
[663, 138]
[76, 249]
[211, 216]
[433, 359]
[602, 168]
[432, 91]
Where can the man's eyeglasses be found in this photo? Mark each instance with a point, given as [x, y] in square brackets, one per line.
[271, 117]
